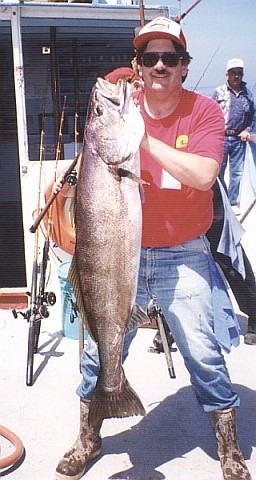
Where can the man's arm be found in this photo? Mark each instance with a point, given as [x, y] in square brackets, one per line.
[188, 168]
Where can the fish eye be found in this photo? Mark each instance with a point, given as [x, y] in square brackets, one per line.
[99, 110]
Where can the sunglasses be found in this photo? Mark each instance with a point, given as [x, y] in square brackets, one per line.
[170, 59]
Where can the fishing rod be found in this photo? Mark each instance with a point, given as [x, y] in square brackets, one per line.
[54, 79]
[39, 298]
[76, 128]
[179, 8]
[35, 300]
[51, 199]
[155, 314]
[57, 158]
[183, 15]
[59, 141]
[142, 13]
[209, 63]
[73, 175]
[47, 206]
[72, 180]
[247, 211]
[252, 139]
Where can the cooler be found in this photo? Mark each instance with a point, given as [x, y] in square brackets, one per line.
[68, 304]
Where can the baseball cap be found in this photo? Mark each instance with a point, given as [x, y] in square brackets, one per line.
[235, 63]
[160, 27]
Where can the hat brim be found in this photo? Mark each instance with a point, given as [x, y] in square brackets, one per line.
[235, 67]
[146, 37]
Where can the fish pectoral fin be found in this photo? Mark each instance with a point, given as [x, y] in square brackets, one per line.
[122, 172]
[114, 404]
[137, 318]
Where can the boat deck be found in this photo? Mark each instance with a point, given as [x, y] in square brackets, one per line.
[173, 441]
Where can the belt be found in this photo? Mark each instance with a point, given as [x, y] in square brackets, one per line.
[232, 133]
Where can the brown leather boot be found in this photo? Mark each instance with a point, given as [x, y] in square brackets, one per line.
[86, 447]
[231, 458]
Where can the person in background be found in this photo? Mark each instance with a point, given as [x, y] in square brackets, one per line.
[237, 104]
[181, 153]
[242, 284]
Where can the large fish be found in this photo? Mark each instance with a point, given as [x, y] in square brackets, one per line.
[105, 266]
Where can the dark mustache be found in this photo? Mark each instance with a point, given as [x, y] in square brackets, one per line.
[163, 71]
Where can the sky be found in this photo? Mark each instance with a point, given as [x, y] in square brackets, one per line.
[217, 30]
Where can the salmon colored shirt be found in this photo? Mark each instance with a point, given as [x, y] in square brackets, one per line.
[174, 213]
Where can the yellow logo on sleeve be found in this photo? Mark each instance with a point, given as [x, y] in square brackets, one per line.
[182, 141]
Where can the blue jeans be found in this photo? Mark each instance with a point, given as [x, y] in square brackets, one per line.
[179, 280]
[234, 151]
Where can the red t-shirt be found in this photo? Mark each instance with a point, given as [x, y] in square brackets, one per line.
[174, 213]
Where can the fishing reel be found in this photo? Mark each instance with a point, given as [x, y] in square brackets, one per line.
[71, 179]
[74, 309]
[47, 299]
[40, 310]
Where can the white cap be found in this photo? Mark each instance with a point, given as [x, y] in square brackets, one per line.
[160, 27]
[235, 63]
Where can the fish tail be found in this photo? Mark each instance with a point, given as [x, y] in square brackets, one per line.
[104, 404]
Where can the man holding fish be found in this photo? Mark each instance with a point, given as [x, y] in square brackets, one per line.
[180, 157]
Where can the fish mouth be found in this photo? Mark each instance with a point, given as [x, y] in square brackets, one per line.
[118, 93]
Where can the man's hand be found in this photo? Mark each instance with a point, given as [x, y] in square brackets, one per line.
[64, 188]
[245, 136]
